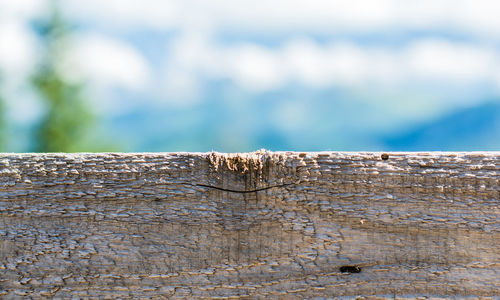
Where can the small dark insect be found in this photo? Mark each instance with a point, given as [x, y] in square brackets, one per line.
[350, 269]
[385, 156]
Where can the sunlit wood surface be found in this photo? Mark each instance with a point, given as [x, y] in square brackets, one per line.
[258, 225]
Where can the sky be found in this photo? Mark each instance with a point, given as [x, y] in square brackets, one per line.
[313, 75]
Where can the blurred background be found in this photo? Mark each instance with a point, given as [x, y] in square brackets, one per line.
[194, 75]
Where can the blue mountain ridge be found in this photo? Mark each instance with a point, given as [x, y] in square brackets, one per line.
[324, 122]
[469, 129]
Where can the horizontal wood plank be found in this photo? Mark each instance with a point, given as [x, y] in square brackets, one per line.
[259, 225]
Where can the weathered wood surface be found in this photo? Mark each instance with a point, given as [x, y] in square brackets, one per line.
[258, 225]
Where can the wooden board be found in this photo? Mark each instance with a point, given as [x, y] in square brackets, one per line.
[258, 225]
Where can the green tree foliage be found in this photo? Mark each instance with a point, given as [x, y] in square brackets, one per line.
[67, 119]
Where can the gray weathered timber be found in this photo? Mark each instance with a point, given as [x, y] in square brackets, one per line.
[257, 225]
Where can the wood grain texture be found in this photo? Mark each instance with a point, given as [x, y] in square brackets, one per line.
[256, 225]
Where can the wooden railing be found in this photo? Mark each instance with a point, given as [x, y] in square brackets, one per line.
[258, 225]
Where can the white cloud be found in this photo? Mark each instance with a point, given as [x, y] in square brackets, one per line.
[106, 62]
[17, 50]
[22, 9]
[126, 13]
[477, 16]
[254, 68]
[18, 45]
[304, 60]
[18, 56]
[287, 16]
[440, 60]
[195, 57]
[192, 54]
[257, 68]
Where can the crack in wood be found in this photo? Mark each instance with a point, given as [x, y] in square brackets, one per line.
[242, 191]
